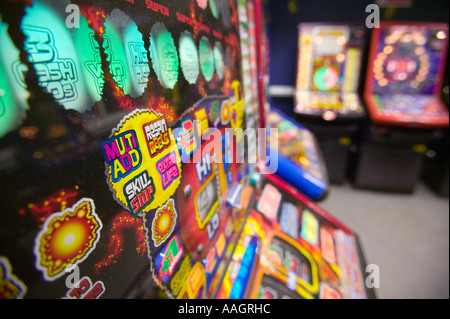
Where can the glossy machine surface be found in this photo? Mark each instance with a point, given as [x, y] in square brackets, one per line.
[102, 106]
[328, 71]
[121, 130]
[404, 76]
[290, 248]
[300, 160]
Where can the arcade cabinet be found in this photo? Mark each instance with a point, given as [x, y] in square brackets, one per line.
[402, 95]
[290, 248]
[113, 187]
[97, 128]
[300, 160]
[326, 97]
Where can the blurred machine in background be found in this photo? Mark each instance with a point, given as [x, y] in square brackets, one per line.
[403, 98]
[327, 97]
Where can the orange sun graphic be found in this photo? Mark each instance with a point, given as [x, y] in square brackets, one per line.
[164, 222]
[67, 238]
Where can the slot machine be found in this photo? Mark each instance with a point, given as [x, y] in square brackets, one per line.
[123, 151]
[290, 248]
[114, 186]
[402, 93]
[327, 99]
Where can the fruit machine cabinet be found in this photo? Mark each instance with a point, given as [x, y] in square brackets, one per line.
[290, 248]
[112, 187]
[299, 157]
[435, 171]
[402, 94]
[327, 99]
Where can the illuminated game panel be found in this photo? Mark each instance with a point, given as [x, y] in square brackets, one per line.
[328, 70]
[297, 144]
[405, 73]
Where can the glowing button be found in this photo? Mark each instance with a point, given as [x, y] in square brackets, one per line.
[329, 115]
[441, 35]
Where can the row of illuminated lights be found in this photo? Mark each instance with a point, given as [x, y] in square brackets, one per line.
[193, 58]
[42, 24]
[410, 67]
[415, 36]
[349, 100]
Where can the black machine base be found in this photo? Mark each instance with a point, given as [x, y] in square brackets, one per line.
[336, 141]
[436, 165]
[391, 159]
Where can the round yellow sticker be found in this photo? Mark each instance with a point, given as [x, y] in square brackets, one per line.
[143, 165]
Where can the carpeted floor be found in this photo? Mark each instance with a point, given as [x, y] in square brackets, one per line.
[406, 235]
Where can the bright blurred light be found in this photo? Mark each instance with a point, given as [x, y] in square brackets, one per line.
[441, 35]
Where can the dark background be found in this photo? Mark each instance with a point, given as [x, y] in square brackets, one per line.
[283, 16]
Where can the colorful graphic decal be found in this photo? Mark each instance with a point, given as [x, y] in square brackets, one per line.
[202, 120]
[168, 169]
[326, 292]
[10, 286]
[348, 262]
[198, 197]
[225, 112]
[327, 245]
[163, 53]
[52, 54]
[81, 82]
[328, 273]
[122, 154]
[253, 228]
[290, 219]
[214, 113]
[56, 202]
[116, 57]
[273, 286]
[202, 3]
[189, 57]
[269, 202]
[186, 139]
[237, 105]
[157, 135]
[164, 222]
[139, 192]
[137, 57]
[195, 285]
[86, 290]
[168, 258]
[67, 238]
[180, 276]
[142, 170]
[206, 59]
[243, 277]
[310, 228]
[218, 60]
